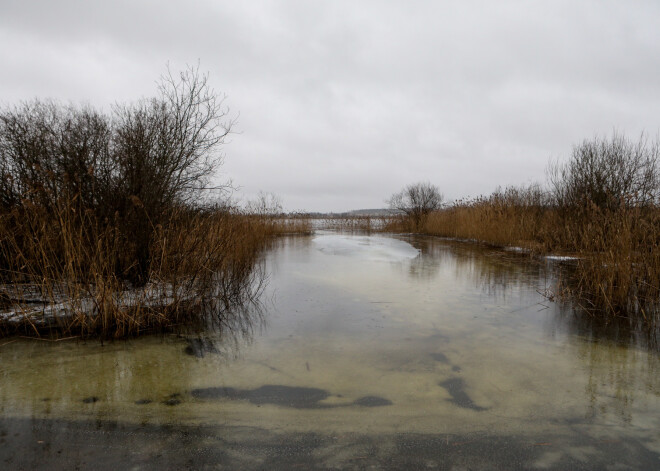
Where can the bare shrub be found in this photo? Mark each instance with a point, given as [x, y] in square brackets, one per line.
[203, 264]
[129, 168]
[265, 205]
[609, 173]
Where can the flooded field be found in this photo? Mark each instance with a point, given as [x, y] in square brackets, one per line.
[368, 352]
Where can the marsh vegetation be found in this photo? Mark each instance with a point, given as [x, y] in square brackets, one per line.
[110, 224]
[113, 224]
[602, 206]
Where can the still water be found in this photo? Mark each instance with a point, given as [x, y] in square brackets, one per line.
[368, 352]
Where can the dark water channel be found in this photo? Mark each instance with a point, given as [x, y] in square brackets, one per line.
[370, 352]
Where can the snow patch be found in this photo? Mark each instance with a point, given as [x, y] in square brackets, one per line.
[367, 248]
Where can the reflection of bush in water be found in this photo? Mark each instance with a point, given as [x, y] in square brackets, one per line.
[495, 271]
[616, 374]
[630, 332]
[621, 356]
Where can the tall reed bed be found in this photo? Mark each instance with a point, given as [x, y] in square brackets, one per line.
[511, 217]
[618, 252]
[62, 279]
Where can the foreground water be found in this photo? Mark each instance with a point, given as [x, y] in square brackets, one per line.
[369, 352]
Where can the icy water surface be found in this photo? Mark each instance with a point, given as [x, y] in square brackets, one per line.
[371, 352]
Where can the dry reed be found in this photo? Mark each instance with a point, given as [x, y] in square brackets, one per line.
[61, 279]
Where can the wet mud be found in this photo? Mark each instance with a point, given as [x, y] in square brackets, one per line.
[372, 401]
[173, 399]
[288, 396]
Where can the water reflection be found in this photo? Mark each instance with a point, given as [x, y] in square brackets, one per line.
[620, 360]
[495, 271]
[109, 379]
[619, 355]
[500, 273]
[361, 334]
[622, 331]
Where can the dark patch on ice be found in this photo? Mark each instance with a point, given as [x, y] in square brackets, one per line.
[456, 369]
[288, 396]
[199, 347]
[173, 400]
[441, 357]
[454, 387]
[439, 336]
[372, 401]
[90, 400]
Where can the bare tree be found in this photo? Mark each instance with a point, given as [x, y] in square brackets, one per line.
[417, 201]
[167, 149]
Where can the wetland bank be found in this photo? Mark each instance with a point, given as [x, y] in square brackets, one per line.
[368, 351]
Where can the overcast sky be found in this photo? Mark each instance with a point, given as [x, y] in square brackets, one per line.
[343, 103]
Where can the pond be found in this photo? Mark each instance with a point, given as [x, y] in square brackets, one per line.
[384, 352]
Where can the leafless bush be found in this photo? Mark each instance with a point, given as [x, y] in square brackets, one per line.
[203, 264]
[129, 169]
[609, 174]
[265, 205]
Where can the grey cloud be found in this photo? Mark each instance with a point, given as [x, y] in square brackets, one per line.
[344, 102]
